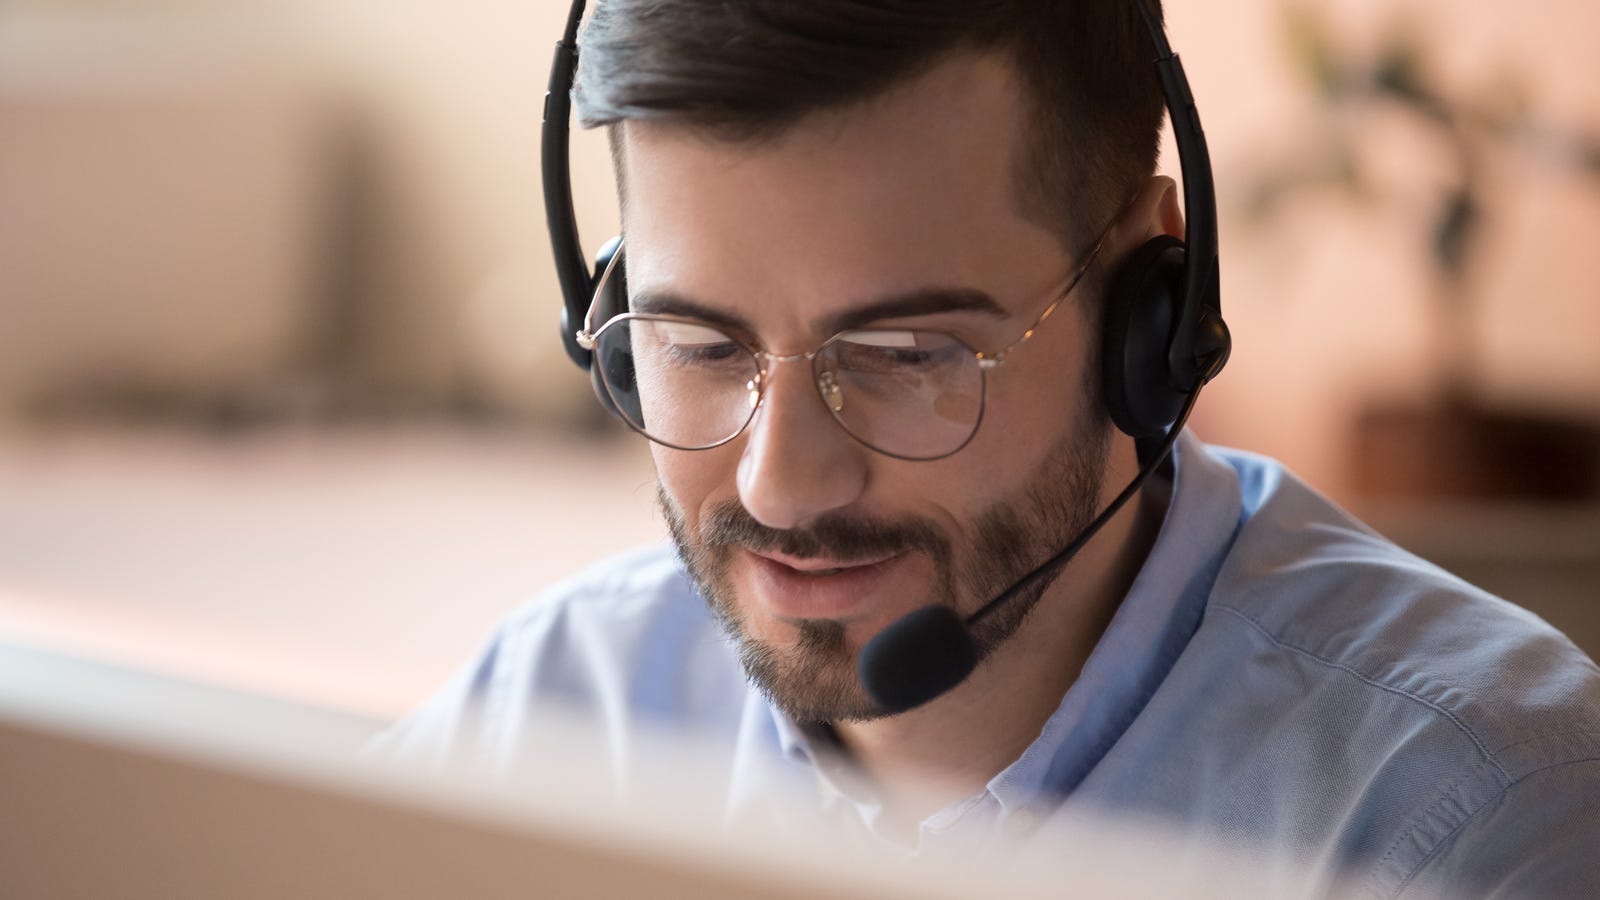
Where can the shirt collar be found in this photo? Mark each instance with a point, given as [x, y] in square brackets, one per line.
[1151, 627]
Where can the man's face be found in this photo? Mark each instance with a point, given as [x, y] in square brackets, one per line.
[805, 542]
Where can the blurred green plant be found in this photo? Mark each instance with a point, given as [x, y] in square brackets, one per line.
[1475, 127]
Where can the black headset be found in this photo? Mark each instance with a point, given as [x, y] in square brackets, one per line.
[1164, 336]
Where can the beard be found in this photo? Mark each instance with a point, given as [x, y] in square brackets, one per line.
[814, 679]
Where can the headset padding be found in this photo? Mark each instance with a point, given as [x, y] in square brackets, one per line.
[1141, 313]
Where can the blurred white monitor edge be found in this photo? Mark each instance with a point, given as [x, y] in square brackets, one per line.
[123, 783]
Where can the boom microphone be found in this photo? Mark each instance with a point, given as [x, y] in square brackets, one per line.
[930, 650]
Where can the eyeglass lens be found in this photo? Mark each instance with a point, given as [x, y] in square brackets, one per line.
[911, 394]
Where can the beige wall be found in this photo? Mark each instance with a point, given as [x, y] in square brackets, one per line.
[160, 208]
[1329, 307]
[450, 289]
[461, 289]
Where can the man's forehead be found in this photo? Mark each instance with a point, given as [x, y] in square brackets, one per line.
[901, 198]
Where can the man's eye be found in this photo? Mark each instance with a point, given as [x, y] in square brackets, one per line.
[707, 352]
[893, 350]
[695, 344]
[885, 339]
[684, 334]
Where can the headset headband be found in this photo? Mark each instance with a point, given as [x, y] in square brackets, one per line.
[1199, 342]
[572, 269]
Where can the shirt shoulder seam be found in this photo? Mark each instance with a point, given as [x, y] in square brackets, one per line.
[1444, 797]
[1472, 736]
[1444, 841]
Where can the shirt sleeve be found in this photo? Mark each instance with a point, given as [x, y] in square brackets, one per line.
[1539, 838]
[450, 723]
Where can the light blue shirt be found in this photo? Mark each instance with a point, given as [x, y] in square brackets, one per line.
[1278, 675]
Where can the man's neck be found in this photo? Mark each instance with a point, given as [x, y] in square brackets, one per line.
[926, 758]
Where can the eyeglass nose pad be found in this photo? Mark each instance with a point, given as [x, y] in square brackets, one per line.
[831, 394]
[754, 387]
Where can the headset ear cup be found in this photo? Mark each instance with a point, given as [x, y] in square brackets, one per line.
[1140, 315]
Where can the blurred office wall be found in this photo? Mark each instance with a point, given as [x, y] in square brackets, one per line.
[335, 206]
[1334, 301]
[265, 219]
[338, 202]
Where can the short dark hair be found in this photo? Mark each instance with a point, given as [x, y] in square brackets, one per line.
[749, 69]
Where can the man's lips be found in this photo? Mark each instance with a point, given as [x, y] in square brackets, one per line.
[819, 588]
[813, 565]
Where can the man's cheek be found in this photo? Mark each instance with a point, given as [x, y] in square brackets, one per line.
[690, 478]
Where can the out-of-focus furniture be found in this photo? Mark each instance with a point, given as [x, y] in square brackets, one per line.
[1545, 558]
[163, 218]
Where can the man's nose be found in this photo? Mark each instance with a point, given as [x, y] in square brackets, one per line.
[797, 462]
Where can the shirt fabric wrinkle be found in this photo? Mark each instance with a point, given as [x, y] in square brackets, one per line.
[1278, 675]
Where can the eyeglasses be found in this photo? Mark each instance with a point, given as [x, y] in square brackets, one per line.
[913, 394]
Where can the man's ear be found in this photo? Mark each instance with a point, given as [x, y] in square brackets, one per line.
[1155, 211]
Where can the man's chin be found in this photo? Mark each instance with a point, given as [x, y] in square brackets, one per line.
[812, 676]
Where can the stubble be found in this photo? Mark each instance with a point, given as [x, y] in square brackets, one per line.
[813, 678]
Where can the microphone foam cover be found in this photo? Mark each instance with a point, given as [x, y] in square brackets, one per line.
[918, 657]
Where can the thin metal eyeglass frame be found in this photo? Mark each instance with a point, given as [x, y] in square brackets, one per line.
[588, 336]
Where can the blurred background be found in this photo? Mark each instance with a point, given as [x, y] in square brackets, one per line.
[282, 405]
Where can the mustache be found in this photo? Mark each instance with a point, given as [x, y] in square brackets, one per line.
[833, 536]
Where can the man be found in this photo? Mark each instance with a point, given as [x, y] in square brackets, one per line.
[838, 218]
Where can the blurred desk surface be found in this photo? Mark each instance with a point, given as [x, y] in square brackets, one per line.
[350, 567]
[124, 783]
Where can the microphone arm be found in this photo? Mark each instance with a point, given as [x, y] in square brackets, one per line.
[1052, 565]
[925, 653]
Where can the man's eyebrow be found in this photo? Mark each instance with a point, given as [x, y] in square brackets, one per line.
[919, 302]
[666, 303]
